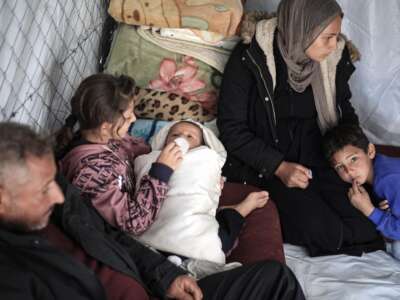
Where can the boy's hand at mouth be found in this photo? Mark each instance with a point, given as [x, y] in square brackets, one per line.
[360, 199]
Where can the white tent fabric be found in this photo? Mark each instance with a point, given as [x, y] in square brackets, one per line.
[374, 27]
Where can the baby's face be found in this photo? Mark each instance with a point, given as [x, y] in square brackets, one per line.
[190, 132]
[353, 164]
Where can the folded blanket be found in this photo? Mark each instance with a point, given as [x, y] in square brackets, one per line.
[145, 128]
[200, 37]
[158, 105]
[212, 55]
[156, 68]
[221, 16]
[201, 268]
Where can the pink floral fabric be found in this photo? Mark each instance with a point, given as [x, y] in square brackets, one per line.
[182, 80]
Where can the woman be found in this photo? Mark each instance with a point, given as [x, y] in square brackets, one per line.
[99, 158]
[279, 94]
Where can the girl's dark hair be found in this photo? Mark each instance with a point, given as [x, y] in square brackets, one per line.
[99, 98]
[340, 136]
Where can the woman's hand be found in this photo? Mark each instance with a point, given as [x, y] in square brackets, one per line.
[171, 156]
[293, 175]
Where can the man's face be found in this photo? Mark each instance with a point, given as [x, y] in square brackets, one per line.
[353, 164]
[28, 195]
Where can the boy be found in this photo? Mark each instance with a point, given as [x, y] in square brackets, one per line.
[355, 160]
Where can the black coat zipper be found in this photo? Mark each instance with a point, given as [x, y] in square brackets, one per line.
[276, 140]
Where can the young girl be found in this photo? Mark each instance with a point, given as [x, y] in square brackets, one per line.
[98, 159]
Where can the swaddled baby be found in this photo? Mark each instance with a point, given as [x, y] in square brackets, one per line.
[188, 223]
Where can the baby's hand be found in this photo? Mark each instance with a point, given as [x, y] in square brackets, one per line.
[258, 199]
[171, 156]
[222, 182]
[251, 202]
[384, 205]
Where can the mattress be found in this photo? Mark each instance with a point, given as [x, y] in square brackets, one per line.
[374, 275]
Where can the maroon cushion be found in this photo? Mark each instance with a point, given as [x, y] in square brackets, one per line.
[261, 238]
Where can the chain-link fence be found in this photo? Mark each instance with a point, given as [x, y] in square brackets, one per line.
[46, 48]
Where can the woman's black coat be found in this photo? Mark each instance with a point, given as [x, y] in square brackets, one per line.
[247, 116]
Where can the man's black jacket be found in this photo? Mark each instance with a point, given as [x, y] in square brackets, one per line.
[30, 268]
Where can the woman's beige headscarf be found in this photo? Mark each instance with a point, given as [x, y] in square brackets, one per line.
[299, 24]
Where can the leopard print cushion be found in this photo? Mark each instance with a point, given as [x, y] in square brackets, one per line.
[158, 105]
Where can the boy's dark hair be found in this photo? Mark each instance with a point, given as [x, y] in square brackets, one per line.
[343, 135]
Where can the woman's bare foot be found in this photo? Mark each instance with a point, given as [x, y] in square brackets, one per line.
[251, 202]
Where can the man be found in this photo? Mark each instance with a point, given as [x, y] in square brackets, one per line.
[79, 256]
